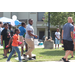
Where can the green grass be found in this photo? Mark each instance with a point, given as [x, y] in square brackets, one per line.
[41, 55]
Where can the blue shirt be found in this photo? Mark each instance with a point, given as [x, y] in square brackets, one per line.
[22, 30]
[67, 28]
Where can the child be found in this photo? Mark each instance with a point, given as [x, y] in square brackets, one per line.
[15, 41]
[5, 37]
[57, 38]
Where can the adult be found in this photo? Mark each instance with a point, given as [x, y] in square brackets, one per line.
[57, 38]
[0, 30]
[22, 32]
[5, 37]
[29, 39]
[67, 36]
[72, 51]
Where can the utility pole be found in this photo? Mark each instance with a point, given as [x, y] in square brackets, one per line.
[48, 25]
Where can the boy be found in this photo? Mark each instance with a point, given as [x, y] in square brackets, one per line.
[22, 32]
[5, 37]
[15, 41]
[57, 38]
[26, 46]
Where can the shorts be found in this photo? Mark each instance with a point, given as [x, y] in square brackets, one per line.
[21, 40]
[57, 41]
[68, 45]
[5, 43]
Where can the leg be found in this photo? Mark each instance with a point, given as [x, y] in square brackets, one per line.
[26, 46]
[58, 46]
[58, 43]
[5, 52]
[21, 40]
[55, 46]
[19, 53]
[55, 43]
[66, 54]
[21, 50]
[4, 47]
[12, 52]
[30, 43]
[72, 53]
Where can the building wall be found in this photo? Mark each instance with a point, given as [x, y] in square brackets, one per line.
[23, 15]
[1, 14]
[7, 14]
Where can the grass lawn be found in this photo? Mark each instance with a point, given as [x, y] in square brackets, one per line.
[41, 55]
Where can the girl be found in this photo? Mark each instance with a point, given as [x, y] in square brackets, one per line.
[15, 42]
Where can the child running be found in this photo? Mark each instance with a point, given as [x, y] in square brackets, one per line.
[15, 42]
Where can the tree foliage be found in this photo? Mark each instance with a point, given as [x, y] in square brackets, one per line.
[58, 18]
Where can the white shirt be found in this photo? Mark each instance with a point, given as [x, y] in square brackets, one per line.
[29, 28]
[57, 35]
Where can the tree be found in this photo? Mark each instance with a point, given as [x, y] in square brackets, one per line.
[58, 18]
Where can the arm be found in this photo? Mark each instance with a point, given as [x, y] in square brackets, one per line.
[1, 39]
[10, 41]
[29, 32]
[62, 34]
[72, 36]
[56, 37]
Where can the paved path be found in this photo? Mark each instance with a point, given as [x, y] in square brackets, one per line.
[60, 61]
[41, 46]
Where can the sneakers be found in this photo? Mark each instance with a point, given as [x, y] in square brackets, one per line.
[25, 57]
[31, 59]
[63, 59]
[8, 61]
[72, 57]
[5, 57]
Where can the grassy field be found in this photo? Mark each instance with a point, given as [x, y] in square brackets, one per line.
[41, 55]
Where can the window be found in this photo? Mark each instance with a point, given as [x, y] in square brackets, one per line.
[40, 16]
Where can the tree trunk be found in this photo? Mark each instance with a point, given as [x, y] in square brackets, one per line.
[59, 28]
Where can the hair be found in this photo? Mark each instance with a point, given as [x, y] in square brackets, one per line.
[0, 22]
[30, 19]
[23, 23]
[5, 24]
[16, 30]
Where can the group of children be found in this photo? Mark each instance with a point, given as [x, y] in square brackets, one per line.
[11, 41]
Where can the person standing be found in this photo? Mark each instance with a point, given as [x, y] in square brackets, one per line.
[5, 37]
[0, 30]
[57, 38]
[67, 38]
[22, 32]
[29, 39]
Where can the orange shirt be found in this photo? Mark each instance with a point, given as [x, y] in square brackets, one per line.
[15, 40]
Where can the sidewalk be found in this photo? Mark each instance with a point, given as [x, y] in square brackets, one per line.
[60, 61]
[41, 46]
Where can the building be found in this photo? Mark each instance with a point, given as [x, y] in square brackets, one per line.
[40, 27]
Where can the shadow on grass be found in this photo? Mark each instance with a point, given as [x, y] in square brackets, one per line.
[53, 53]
